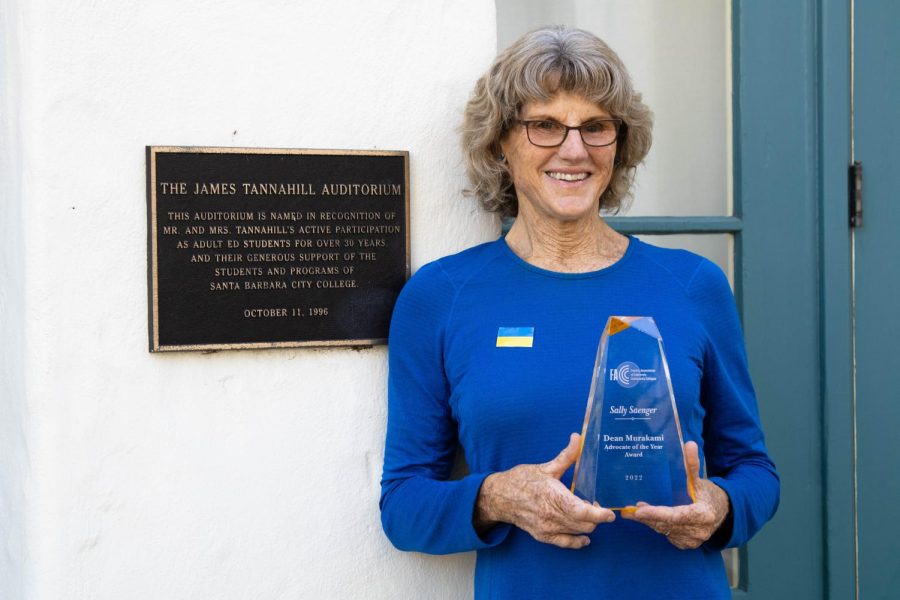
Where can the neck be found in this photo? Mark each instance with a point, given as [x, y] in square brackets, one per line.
[578, 246]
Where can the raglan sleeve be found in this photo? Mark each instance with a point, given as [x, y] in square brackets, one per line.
[734, 445]
[421, 508]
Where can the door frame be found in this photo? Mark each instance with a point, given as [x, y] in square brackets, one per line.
[792, 119]
[836, 299]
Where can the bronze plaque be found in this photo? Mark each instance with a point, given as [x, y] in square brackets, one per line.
[273, 248]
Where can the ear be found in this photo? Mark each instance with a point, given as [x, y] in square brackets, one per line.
[503, 146]
[502, 156]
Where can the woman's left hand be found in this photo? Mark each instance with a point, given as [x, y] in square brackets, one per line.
[688, 526]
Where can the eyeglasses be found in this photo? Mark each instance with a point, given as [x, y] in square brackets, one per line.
[550, 134]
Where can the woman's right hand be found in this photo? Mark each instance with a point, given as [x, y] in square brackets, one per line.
[532, 498]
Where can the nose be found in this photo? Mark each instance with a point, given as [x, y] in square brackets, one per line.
[572, 147]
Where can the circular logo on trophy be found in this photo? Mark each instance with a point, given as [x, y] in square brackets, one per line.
[627, 374]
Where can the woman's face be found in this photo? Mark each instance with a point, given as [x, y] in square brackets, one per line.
[562, 183]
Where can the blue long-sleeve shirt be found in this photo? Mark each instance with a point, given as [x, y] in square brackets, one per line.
[451, 385]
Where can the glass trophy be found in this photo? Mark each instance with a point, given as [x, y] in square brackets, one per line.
[631, 444]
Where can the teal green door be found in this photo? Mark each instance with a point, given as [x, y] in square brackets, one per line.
[817, 86]
[876, 110]
[778, 164]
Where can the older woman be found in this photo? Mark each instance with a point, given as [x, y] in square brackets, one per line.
[552, 135]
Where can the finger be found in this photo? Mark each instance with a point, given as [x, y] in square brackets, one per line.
[660, 527]
[602, 515]
[565, 459]
[692, 466]
[648, 512]
[574, 514]
[570, 527]
[629, 511]
[610, 514]
[581, 509]
[659, 518]
[573, 542]
[564, 514]
[584, 520]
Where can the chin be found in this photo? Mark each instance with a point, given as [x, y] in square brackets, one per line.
[575, 210]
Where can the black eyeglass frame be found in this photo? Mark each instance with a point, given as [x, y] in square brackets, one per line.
[620, 131]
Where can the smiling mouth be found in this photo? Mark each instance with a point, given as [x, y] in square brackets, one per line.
[568, 176]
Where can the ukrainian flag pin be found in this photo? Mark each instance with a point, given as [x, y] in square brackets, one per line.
[515, 337]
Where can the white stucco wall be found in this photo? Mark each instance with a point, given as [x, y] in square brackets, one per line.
[15, 480]
[231, 475]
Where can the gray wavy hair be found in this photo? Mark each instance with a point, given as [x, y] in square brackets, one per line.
[536, 67]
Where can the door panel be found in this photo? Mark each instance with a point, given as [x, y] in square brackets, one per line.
[877, 291]
[776, 190]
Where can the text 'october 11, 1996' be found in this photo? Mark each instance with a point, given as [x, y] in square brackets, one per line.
[258, 248]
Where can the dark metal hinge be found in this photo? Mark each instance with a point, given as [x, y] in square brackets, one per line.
[856, 194]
